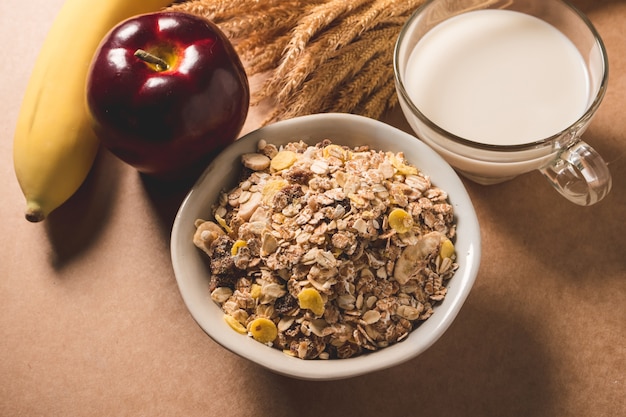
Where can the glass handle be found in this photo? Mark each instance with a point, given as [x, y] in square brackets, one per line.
[580, 174]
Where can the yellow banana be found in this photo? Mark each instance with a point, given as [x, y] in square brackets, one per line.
[54, 145]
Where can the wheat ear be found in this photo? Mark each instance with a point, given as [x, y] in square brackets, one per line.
[295, 68]
[382, 100]
[312, 23]
[263, 21]
[317, 92]
[355, 91]
[223, 10]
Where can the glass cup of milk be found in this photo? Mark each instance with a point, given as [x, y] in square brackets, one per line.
[501, 88]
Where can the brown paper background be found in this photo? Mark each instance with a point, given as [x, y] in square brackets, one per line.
[92, 323]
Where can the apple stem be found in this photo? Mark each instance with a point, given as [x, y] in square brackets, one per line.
[160, 64]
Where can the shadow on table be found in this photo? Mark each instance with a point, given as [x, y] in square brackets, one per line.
[73, 227]
[489, 363]
[570, 241]
[165, 199]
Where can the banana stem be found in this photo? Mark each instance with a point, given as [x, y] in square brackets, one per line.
[34, 212]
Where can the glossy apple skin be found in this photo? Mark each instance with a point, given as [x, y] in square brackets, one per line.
[167, 123]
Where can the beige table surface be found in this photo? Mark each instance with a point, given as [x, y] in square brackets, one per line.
[92, 323]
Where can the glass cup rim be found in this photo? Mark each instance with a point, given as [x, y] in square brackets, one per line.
[581, 121]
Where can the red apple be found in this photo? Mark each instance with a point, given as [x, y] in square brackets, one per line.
[166, 92]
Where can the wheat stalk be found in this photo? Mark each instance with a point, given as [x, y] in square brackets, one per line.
[319, 55]
[382, 99]
[270, 20]
[318, 19]
[224, 10]
[334, 71]
[363, 20]
[375, 73]
[292, 73]
[261, 57]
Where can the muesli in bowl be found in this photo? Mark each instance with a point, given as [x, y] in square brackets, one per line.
[326, 251]
[330, 236]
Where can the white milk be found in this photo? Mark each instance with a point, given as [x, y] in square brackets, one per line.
[498, 77]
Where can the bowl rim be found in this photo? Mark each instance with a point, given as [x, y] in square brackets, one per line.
[185, 256]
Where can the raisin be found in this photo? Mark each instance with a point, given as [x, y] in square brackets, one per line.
[299, 175]
[285, 304]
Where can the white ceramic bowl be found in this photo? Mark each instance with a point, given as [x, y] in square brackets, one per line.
[191, 267]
